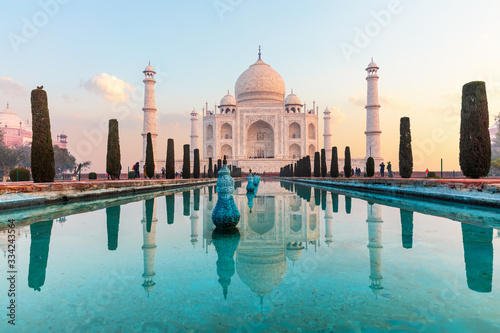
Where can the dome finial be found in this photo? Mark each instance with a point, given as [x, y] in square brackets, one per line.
[228, 91]
[149, 62]
[259, 52]
[292, 90]
[7, 105]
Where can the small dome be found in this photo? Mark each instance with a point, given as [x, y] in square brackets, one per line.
[149, 69]
[292, 99]
[372, 64]
[228, 100]
[294, 251]
[260, 82]
[10, 119]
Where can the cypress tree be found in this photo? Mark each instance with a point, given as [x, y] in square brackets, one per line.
[113, 157]
[308, 166]
[196, 166]
[216, 172]
[347, 163]
[323, 163]
[295, 170]
[405, 153]
[291, 170]
[317, 170]
[42, 153]
[150, 163]
[170, 165]
[334, 167]
[370, 166]
[475, 144]
[210, 169]
[219, 165]
[186, 166]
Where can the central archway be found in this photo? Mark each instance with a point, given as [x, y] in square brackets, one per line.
[260, 140]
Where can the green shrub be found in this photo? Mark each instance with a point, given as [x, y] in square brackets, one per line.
[475, 144]
[113, 157]
[431, 174]
[186, 166]
[170, 165]
[347, 163]
[150, 163]
[317, 167]
[92, 175]
[323, 163]
[157, 176]
[334, 165]
[131, 175]
[370, 167]
[405, 153]
[42, 152]
[19, 175]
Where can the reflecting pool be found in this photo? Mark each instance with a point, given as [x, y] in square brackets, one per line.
[302, 259]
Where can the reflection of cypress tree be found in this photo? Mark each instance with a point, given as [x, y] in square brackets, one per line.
[323, 200]
[335, 202]
[39, 253]
[186, 201]
[210, 190]
[225, 244]
[112, 223]
[237, 184]
[348, 202]
[150, 203]
[317, 196]
[478, 256]
[407, 228]
[170, 199]
[196, 194]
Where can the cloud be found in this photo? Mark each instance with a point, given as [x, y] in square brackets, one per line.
[385, 100]
[10, 87]
[111, 87]
[337, 116]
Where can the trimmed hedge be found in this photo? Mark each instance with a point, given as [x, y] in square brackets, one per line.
[92, 175]
[170, 165]
[317, 167]
[334, 166]
[370, 167]
[150, 163]
[42, 152]
[347, 163]
[323, 163]
[131, 175]
[475, 144]
[196, 165]
[405, 153]
[186, 166]
[19, 175]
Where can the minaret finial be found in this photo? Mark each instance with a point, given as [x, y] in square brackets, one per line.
[259, 52]
[372, 58]
[7, 105]
[228, 91]
[292, 90]
[149, 63]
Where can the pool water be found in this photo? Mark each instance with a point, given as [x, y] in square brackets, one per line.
[304, 259]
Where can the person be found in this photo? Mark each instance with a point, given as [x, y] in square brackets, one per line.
[176, 174]
[162, 172]
[352, 172]
[144, 170]
[136, 170]
[426, 173]
[382, 169]
[389, 169]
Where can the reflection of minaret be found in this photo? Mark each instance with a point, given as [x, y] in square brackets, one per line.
[478, 257]
[328, 223]
[194, 225]
[39, 253]
[112, 224]
[375, 245]
[149, 234]
[407, 228]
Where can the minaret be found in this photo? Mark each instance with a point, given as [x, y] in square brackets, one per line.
[372, 114]
[375, 245]
[328, 134]
[149, 222]
[149, 113]
[194, 132]
[328, 223]
[194, 225]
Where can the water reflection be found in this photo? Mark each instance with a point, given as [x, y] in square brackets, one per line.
[170, 202]
[478, 256]
[186, 199]
[225, 243]
[149, 239]
[406, 228]
[112, 225]
[375, 221]
[39, 253]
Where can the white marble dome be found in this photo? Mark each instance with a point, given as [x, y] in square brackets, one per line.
[228, 100]
[292, 99]
[9, 118]
[260, 82]
[149, 69]
[372, 64]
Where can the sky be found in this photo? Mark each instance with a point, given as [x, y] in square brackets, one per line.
[89, 56]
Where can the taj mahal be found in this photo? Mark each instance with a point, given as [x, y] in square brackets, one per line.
[260, 127]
